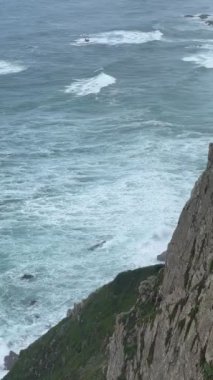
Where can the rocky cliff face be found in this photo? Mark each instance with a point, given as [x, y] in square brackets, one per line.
[148, 324]
[177, 343]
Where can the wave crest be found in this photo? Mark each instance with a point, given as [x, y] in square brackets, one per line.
[10, 68]
[83, 87]
[203, 58]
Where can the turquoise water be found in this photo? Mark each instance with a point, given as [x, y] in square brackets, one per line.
[99, 141]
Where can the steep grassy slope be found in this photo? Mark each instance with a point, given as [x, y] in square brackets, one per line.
[75, 349]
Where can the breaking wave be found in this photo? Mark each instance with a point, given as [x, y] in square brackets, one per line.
[204, 58]
[120, 37]
[83, 87]
[10, 68]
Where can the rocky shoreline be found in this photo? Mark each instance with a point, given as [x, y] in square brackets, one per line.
[148, 324]
[205, 18]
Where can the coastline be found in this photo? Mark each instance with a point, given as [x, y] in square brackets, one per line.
[141, 315]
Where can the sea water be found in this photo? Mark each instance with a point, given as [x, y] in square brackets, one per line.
[100, 143]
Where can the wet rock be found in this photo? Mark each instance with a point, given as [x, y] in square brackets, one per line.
[32, 303]
[97, 245]
[209, 22]
[27, 276]
[162, 256]
[10, 360]
[204, 16]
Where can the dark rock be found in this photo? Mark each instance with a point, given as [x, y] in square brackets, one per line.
[10, 360]
[69, 313]
[209, 22]
[33, 302]
[27, 276]
[204, 16]
[162, 256]
[210, 156]
[98, 245]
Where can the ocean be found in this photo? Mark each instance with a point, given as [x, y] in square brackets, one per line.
[100, 145]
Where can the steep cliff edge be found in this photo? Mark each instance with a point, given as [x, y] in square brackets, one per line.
[178, 342]
[148, 324]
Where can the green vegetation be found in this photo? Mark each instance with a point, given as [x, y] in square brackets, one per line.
[130, 350]
[147, 311]
[208, 371]
[75, 348]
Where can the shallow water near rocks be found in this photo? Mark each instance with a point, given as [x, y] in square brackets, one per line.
[99, 141]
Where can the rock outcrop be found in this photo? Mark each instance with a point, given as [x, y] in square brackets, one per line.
[10, 360]
[162, 257]
[205, 18]
[153, 323]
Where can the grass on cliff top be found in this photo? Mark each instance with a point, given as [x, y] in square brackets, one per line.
[74, 349]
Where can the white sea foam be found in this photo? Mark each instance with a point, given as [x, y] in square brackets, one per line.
[204, 59]
[83, 87]
[3, 352]
[10, 68]
[120, 37]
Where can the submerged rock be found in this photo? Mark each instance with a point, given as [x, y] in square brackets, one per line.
[10, 360]
[33, 302]
[27, 276]
[97, 245]
[209, 22]
[204, 16]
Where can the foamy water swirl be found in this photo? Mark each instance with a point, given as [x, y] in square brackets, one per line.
[120, 37]
[83, 87]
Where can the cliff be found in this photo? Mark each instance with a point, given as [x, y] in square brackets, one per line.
[178, 342]
[149, 324]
